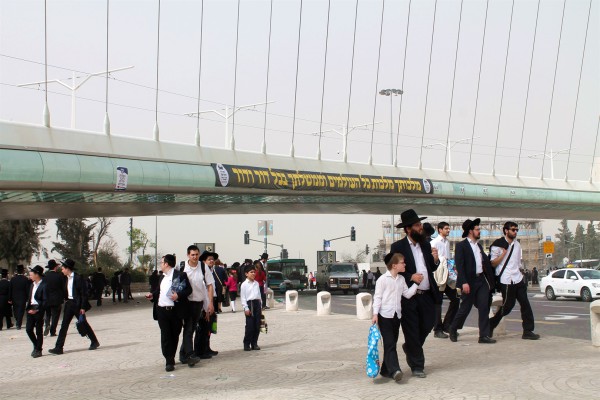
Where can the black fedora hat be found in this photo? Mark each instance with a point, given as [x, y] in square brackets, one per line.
[408, 218]
[4, 272]
[205, 254]
[264, 256]
[20, 269]
[51, 264]
[68, 263]
[428, 229]
[468, 225]
[37, 270]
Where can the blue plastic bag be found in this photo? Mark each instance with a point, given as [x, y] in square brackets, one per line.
[373, 365]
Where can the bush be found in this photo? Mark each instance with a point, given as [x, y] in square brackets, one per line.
[138, 275]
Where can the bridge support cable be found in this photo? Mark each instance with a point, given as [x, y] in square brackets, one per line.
[377, 84]
[578, 87]
[200, 73]
[263, 147]
[324, 74]
[537, 14]
[156, 131]
[231, 143]
[46, 113]
[402, 83]
[487, 7]
[553, 87]
[427, 90]
[296, 86]
[106, 119]
[452, 91]
[352, 63]
[594, 153]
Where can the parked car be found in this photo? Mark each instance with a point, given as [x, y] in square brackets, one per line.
[277, 281]
[581, 283]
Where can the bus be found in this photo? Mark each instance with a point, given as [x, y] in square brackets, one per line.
[293, 269]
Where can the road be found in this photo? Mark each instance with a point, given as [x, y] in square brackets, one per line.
[562, 317]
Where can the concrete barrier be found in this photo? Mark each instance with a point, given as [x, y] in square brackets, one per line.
[291, 300]
[364, 306]
[323, 303]
[270, 297]
[595, 322]
[496, 303]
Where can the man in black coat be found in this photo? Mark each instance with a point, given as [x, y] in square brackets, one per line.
[36, 303]
[76, 304]
[98, 283]
[170, 307]
[19, 289]
[475, 278]
[125, 281]
[418, 312]
[5, 308]
[55, 286]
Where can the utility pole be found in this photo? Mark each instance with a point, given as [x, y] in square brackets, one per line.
[131, 243]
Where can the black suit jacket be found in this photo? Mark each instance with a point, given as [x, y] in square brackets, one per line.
[185, 289]
[79, 292]
[5, 309]
[464, 260]
[41, 296]
[55, 286]
[403, 247]
[19, 289]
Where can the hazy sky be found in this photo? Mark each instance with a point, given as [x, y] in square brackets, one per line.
[549, 105]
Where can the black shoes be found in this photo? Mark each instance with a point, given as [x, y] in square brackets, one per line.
[453, 335]
[205, 356]
[247, 348]
[487, 340]
[397, 376]
[212, 353]
[46, 330]
[192, 360]
[36, 354]
[530, 335]
[440, 335]
[255, 347]
[94, 346]
[419, 373]
[56, 351]
[169, 367]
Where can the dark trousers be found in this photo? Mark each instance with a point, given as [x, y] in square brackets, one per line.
[52, 315]
[19, 312]
[98, 293]
[252, 324]
[263, 296]
[35, 329]
[418, 318]
[6, 313]
[450, 313]
[510, 294]
[126, 293]
[201, 341]
[390, 330]
[479, 296]
[69, 312]
[116, 292]
[190, 326]
[170, 328]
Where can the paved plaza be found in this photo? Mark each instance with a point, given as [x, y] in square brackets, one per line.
[303, 357]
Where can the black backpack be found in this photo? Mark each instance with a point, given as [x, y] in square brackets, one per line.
[182, 268]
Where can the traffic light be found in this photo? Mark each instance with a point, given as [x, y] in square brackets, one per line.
[246, 238]
[284, 254]
[352, 234]
[367, 249]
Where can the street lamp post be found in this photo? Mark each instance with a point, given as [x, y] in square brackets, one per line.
[551, 157]
[344, 134]
[580, 245]
[448, 146]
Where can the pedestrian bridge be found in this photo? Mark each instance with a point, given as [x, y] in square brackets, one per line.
[60, 173]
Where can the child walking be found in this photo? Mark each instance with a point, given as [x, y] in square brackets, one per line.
[252, 304]
[387, 310]
[231, 284]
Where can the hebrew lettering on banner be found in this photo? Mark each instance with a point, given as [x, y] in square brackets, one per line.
[271, 178]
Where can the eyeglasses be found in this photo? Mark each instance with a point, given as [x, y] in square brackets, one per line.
[514, 229]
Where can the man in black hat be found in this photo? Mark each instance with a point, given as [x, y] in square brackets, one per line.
[98, 282]
[475, 278]
[55, 286]
[36, 303]
[418, 312]
[76, 304]
[19, 288]
[5, 308]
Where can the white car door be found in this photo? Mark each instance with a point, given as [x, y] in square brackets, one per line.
[572, 284]
[558, 282]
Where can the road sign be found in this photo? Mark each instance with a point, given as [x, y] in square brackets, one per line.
[265, 224]
[325, 257]
[548, 255]
[206, 247]
[548, 247]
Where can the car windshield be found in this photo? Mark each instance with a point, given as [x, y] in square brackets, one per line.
[590, 274]
[346, 268]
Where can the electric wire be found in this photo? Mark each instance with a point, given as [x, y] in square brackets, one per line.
[377, 81]
[200, 73]
[267, 79]
[594, 153]
[402, 82]
[324, 74]
[296, 85]
[107, 26]
[237, 39]
[352, 63]
[157, 63]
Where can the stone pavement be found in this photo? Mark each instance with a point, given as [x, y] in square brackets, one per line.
[303, 357]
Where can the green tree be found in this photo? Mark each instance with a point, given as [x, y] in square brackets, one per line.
[108, 257]
[99, 235]
[139, 243]
[75, 237]
[563, 236]
[578, 240]
[20, 241]
[592, 242]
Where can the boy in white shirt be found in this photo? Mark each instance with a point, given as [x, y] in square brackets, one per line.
[387, 310]
[252, 304]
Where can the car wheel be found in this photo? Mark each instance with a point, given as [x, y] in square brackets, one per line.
[586, 295]
[550, 293]
[355, 291]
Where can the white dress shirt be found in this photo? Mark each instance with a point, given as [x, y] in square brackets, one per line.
[250, 290]
[477, 254]
[512, 273]
[442, 245]
[419, 263]
[35, 288]
[197, 280]
[388, 295]
[70, 280]
[165, 290]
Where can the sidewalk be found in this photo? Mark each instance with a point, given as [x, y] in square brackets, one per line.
[303, 357]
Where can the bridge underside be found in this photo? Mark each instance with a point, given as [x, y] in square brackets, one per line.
[24, 205]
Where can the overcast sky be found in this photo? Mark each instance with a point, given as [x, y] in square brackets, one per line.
[547, 98]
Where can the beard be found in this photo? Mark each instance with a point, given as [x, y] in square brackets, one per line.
[417, 237]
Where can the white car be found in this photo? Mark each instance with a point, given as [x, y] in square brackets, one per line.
[582, 283]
